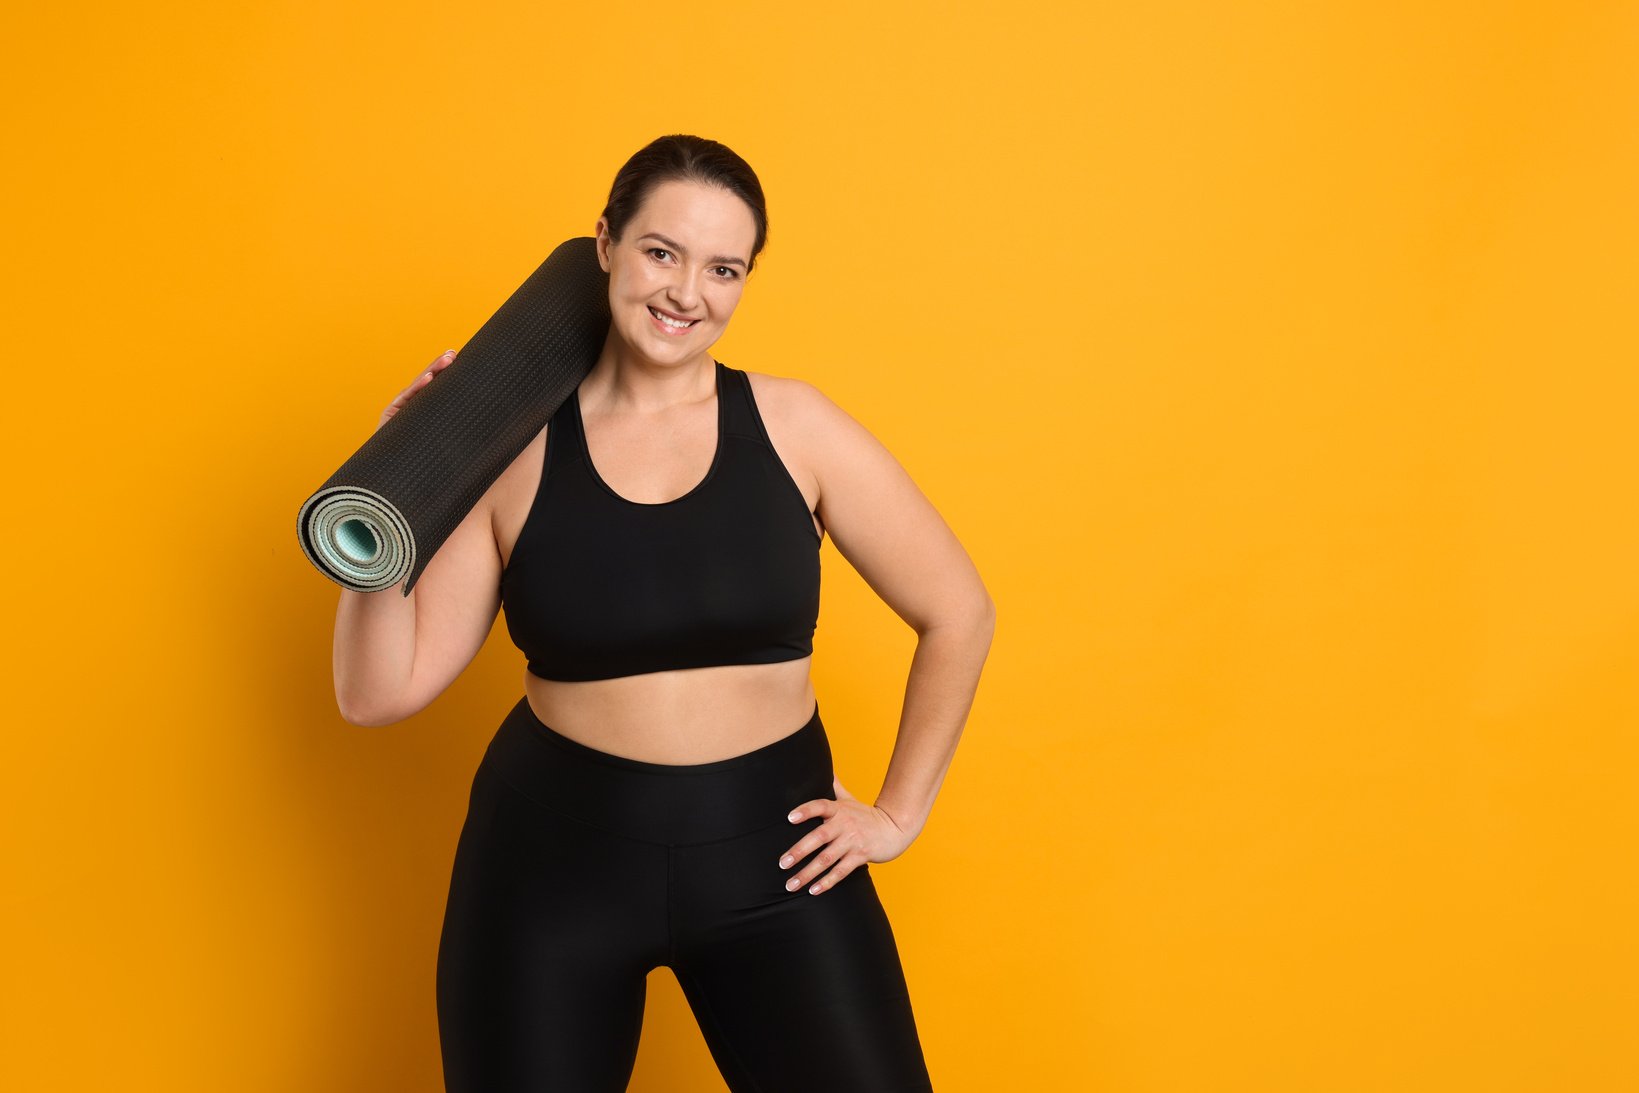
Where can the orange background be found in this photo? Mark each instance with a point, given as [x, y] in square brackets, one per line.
[1275, 363]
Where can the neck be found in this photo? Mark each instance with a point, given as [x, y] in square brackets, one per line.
[626, 381]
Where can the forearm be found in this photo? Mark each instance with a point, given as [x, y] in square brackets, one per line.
[944, 676]
[373, 650]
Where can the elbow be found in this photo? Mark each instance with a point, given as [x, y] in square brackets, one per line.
[363, 714]
[369, 703]
[352, 714]
[979, 610]
[976, 617]
[979, 618]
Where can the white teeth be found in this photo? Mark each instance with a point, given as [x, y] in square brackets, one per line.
[672, 322]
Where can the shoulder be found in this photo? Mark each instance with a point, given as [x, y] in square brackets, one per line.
[771, 389]
[795, 406]
[827, 449]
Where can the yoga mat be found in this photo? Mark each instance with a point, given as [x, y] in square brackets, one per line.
[385, 512]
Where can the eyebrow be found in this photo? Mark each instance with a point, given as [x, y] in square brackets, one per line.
[726, 259]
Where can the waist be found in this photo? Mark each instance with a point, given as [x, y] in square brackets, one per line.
[674, 804]
[674, 717]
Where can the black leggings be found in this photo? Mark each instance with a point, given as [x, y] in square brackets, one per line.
[578, 871]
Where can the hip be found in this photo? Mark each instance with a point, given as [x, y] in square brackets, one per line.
[663, 803]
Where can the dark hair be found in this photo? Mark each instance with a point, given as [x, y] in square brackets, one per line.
[679, 156]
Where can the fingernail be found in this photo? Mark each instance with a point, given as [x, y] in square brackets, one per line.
[794, 817]
[785, 862]
[449, 352]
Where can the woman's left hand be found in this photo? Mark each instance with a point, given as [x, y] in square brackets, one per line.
[852, 834]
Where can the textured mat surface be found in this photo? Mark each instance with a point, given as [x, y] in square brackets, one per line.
[385, 512]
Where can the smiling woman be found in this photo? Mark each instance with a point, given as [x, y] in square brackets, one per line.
[685, 290]
[663, 794]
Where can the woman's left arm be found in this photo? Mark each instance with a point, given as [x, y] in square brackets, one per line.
[891, 533]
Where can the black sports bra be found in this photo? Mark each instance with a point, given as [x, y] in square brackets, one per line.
[599, 586]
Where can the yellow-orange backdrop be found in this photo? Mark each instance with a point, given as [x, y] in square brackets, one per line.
[1274, 361]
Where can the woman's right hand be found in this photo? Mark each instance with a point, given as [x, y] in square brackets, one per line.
[444, 360]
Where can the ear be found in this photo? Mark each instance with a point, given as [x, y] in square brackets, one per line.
[601, 230]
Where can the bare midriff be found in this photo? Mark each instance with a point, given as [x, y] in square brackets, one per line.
[680, 717]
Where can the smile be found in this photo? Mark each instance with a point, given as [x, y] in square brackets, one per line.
[671, 325]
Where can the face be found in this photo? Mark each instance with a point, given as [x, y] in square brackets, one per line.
[684, 256]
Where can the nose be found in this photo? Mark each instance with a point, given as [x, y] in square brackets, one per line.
[684, 290]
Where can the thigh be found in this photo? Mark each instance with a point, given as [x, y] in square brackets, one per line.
[793, 992]
[549, 932]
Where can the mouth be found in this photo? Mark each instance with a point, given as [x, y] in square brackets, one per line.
[670, 324]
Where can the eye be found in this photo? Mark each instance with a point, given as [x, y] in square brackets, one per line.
[730, 271]
[658, 250]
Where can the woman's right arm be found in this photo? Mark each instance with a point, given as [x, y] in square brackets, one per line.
[394, 654]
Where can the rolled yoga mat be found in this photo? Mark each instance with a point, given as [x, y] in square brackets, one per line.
[385, 512]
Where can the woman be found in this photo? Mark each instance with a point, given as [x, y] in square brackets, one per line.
[663, 793]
